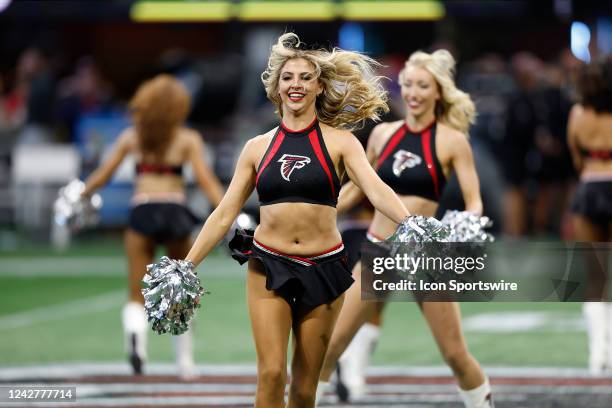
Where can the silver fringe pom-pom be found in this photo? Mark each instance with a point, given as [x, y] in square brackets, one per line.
[414, 237]
[417, 229]
[72, 210]
[467, 227]
[172, 293]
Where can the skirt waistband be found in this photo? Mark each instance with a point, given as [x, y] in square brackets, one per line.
[158, 198]
[372, 237]
[306, 261]
[596, 177]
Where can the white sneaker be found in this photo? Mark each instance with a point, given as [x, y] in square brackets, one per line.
[135, 334]
[183, 348]
[479, 397]
[596, 317]
[322, 388]
[609, 327]
[352, 364]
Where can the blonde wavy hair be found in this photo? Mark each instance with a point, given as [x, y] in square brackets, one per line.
[159, 107]
[455, 107]
[352, 92]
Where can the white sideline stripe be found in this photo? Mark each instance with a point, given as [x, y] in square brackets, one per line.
[88, 390]
[82, 369]
[148, 401]
[492, 371]
[216, 266]
[379, 400]
[524, 321]
[122, 388]
[67, 267]
[63, 310]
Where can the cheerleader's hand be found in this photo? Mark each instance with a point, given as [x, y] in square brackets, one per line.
[172, 293]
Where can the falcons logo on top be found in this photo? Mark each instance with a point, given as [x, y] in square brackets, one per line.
[404, 160]
[291, 162]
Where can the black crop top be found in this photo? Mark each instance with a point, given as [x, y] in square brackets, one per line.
[159, 168]
[297, 168]
[409, 163]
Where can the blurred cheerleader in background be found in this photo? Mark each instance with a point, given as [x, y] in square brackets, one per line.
[590, 141]
[415, 156]
[161, 145]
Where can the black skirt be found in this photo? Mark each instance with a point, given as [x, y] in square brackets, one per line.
[593, 200]
[162, 221]
[301, 281]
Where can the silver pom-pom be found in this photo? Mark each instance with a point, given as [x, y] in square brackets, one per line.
[417, 229]
[74, 211]
[414, 237]
[467, 227]
[172, 293]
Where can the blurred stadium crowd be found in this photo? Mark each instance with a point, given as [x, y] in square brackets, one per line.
[64, 83]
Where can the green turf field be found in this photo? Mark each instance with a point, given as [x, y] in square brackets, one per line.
[66, 308]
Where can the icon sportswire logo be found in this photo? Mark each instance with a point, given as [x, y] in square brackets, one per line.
[291, 162]
[404, 160]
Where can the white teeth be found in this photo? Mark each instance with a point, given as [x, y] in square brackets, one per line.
[296, 95]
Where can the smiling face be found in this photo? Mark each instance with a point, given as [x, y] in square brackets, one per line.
[298, 86]
[419, 91]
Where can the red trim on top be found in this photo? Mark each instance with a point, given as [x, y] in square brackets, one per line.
[395, 139]
[328, 250]
[422, 130]
[299, 258]
[155, 168]
[600, 154]
[277, 143]
[316, 146]
[298, 131]
[426, 143]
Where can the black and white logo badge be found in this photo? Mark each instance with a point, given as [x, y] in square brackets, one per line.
[291, 162]
[404, 160]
